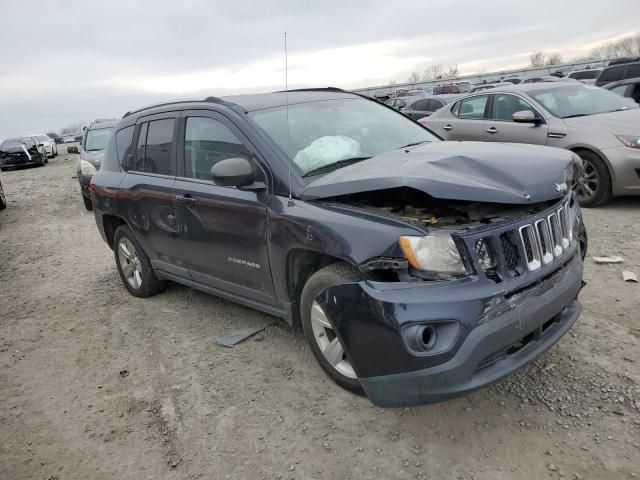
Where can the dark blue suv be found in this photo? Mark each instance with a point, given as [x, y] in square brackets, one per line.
[419, 269]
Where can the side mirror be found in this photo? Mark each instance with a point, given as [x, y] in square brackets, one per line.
[41, 144]
[235, 172]
[525, 116]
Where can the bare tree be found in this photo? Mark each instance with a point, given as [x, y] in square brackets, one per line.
[536, 59]
[553, 59]
[414, 77]
[73, 129]
[625, 47]
[452, 72]
[433, 72]
[392, 82]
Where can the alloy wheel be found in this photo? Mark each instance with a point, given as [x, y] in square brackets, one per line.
[130, 262]
[587, 184]
[328, 342]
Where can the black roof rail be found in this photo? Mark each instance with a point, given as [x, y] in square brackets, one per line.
[209, 99]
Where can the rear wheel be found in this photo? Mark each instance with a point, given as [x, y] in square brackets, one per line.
[318, 327]
[134, 265]
[3, 199]
[594, 186]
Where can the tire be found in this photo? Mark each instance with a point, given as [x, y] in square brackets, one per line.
[88, 204]
[3, 199]
[594, 187]
[140, 280]
[319, 337]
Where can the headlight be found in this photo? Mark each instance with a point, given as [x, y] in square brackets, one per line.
[86, 168]
[631, 141]
[433, 253]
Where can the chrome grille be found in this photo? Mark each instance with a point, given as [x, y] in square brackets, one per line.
[514, 250]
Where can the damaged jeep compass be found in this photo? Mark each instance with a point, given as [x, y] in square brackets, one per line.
[419, 269]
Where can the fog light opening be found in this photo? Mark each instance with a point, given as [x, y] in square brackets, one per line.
[428, 337]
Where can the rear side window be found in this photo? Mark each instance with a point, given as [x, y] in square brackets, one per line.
[206, 142]
[633, 71]
[620, 90]
[434, 105]
[420, 105]
[473, 108]
[611, 74]
[124, 138]
[155, 144]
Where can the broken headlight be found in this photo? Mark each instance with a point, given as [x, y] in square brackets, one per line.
[575, 171]
[631, 141]
[433, 253]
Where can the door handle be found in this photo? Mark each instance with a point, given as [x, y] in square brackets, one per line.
[492, 130]
[187, 200]
[447, 127]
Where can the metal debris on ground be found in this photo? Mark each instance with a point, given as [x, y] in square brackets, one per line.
[608, 259]
[233, 338]
[628, 276]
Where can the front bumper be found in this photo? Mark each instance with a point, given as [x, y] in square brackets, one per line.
[369, 322]
[20, 162]
[85, 185]
[625, 163]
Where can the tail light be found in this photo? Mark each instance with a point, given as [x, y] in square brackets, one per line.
[423, 121]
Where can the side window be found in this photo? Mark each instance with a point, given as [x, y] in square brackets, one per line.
[456, 108]
[633, 71]
[142, 139]
[435, 105]
[420, 105]
[473, 107]
[157, 155]
[620, 90]
[206, 142]
[124, 138]
[612, 74]
[504, 106]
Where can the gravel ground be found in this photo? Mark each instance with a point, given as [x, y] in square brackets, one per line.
[95, 383]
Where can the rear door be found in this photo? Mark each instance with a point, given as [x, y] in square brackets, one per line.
[500, 126]
[223, 230]
[465, 120]
[147, 191]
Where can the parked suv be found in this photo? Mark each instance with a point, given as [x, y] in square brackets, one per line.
[94, 141]
[618, 72]
[419, 269]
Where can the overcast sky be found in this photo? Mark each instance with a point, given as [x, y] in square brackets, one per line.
[63, 62]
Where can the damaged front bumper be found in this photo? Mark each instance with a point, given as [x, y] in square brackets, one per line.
[476, 333]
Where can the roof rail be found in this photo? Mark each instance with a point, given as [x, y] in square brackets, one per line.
[319, 89]
[209, 99]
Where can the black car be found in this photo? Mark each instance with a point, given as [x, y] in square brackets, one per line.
[16, 152]
[56, 138]
[92, 148]
[618, 72]
[629, 88]
[419, 269]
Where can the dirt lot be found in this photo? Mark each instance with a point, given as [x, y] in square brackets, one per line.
[95, 383]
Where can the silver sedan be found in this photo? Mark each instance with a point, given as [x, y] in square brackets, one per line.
[601, 127]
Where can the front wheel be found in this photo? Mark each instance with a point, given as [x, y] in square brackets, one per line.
[134, 265]
[318, 327]
[594, 186]
[3, 199]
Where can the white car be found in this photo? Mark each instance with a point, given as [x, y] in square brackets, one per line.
[48, 143]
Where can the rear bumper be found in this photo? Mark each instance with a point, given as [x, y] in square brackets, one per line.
[533, 320]
[625, 162]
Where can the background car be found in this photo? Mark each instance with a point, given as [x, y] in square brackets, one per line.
[45, 142]
[447, 89]
[425, 106]
[92, 149]
[68, 139]
[618, 72]
[16, 152]
[56, 138]
[629, 88]
[488, 86]
[585, 76]
[401, 102]
[547, 78]
[601, 127]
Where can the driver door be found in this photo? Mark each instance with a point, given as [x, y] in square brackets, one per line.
[500, 126]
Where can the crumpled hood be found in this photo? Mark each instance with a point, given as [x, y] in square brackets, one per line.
[626, 122]
[95, 158]
[471, 171]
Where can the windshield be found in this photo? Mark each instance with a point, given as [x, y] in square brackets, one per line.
[580, 100]
[584, 74]
[16, 142]
[326, 132]
[97, 139]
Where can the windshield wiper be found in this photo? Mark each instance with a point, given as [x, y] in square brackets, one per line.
[414, 144]
[577, 115]
[334, 166]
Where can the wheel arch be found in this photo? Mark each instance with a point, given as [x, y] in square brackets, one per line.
[110, 224]
[577, 148]
[300, 265]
